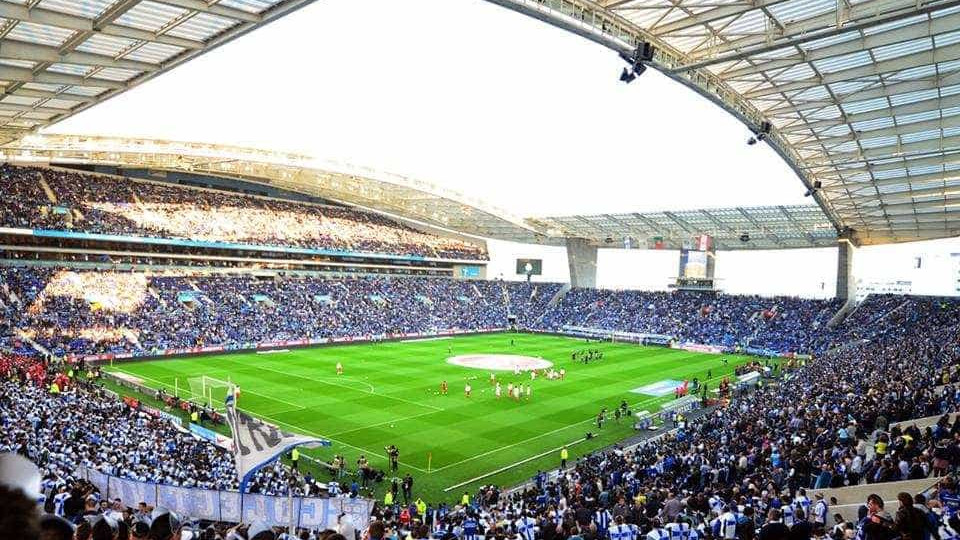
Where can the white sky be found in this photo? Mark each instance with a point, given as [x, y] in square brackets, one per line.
[465, 94]
[494, 104]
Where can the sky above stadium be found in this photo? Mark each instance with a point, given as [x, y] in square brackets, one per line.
[464, 94]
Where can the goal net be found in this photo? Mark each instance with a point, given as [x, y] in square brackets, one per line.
[210, 390]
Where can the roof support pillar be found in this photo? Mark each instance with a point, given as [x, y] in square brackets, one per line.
[846, 283]
[582, 258]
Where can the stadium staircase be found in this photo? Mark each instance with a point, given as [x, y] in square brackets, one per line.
[477, 292]
[922, 423]
[552, 303]
[851, 498]
[36, 346]
[153, 292]
[46, 189]
[12, 296]
[886, 315]
[847, 309]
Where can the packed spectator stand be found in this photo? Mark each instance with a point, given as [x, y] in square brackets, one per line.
[781, 324]
[92, 203]
[823, 425]
[729, 473]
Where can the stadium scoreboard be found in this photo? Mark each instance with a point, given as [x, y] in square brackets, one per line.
[697, 264]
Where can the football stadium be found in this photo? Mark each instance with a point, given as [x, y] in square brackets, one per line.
[682, 270]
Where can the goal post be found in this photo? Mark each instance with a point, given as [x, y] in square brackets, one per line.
[211, 390]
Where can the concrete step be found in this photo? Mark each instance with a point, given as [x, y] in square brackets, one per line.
[36, 346]
[553, 302]
[857, 495]
[922, 423]
[51, 196]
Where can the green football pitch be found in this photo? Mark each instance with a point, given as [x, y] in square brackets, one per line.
[389, 394]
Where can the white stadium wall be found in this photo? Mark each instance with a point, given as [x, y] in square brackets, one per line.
[931, 267]
[645, 269]
[504, 255]
[808, 273]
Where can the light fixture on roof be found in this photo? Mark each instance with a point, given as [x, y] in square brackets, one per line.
[637, 61]
[816, 187]
[760, 133]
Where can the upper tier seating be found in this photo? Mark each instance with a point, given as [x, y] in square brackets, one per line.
[100, 204]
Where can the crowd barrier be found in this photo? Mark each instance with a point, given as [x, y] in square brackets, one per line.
[232, 506]
[616, 335]
[151, 240]
[682, 405]
[159, 353]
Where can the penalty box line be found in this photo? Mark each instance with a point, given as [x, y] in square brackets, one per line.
[323, 381]
[294, 427]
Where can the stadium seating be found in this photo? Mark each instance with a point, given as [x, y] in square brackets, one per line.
[98, 204]
[98, 312]
[842, 420]
[778, 324]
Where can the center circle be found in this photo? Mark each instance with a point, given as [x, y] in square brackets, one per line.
[499, 362]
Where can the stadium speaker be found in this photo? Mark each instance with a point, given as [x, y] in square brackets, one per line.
[645, 52]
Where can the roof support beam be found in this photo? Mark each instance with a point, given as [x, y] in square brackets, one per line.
[27, 108]
[842, 186]
[921, 29]
[946, 160]
[892, 150]
[115, 12]
[858, 16]
[770, 234]
[800, 230]
[871, 91]
[710, 15]
[903, 129]
[214, 9]
[10, 73]
[21, 50]
[926, 105]
[923, 58]
[910, 208]
[73, 22]
[720, 226]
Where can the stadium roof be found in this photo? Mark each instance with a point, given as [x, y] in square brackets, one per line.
[59, 57]
[863, 95]
[764, 227]
[767, 227]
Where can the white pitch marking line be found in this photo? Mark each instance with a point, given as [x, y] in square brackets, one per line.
[297, 406]
[512, 465]
[495, 450]
[280, 422]
[411, 417]
[322, 381]
[364, 450]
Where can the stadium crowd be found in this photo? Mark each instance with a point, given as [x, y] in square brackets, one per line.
[738, 472]
[99, 312]
[98, 204]
[781, 324]
[93, 312]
